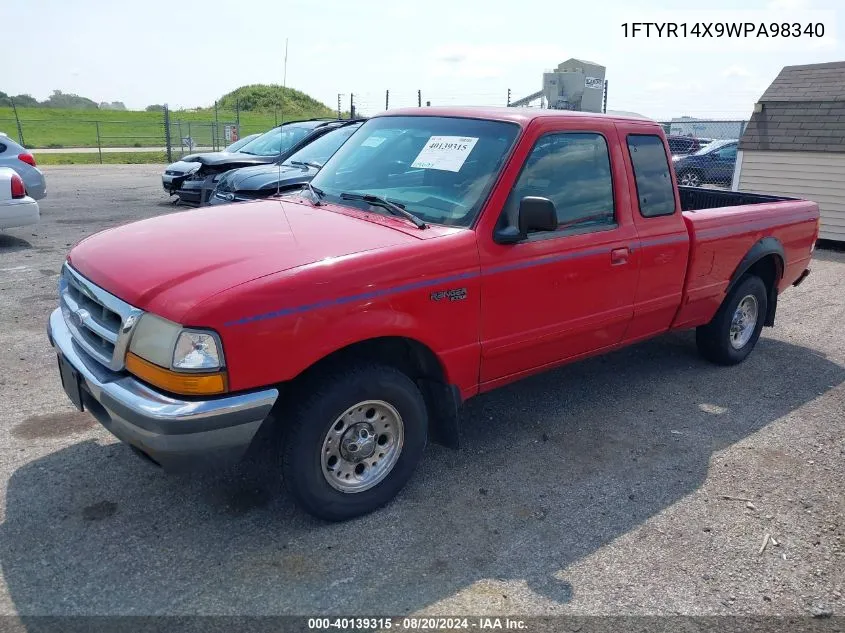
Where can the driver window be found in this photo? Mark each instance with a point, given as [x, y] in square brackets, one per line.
[572, 170]
[727, 153]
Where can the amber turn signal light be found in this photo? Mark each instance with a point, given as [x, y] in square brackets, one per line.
[177, 382]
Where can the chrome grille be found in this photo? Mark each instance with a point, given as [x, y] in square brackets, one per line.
[99, 322]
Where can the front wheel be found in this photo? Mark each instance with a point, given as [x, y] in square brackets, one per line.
[354, 442]
[731, 335]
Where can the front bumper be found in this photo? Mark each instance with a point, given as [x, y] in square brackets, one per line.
[175, 434]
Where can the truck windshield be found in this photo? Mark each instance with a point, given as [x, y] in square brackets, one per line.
[439, 168]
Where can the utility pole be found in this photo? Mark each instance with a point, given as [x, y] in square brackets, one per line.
[339, 95]
[18, 121]
[386, 99]
[351, 106]
[419, 98]
[509, 97]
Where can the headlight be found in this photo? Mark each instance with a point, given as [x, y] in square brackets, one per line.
[178, 360]
[196, 350]
[154, 339]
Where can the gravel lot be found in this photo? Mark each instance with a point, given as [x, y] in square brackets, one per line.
[642, 482]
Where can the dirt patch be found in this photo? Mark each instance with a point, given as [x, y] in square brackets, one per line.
[239, 501]
[53, 425]
[99, 511]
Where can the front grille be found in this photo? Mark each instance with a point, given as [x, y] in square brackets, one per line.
[99, 322]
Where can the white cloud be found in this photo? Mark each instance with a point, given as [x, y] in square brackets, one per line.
[736, 71]
[488, 61]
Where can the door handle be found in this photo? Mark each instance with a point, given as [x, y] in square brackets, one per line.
[619, 256]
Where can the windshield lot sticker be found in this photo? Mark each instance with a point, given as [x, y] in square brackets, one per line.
[373, 141]
[447, 153]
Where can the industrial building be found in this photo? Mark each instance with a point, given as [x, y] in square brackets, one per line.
[575, 84]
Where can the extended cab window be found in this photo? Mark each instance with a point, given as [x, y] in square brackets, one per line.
[572, 169]
[655, 193]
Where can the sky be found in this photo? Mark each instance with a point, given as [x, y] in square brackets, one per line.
[188, 53]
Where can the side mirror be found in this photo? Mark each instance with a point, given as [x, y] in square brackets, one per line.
[535, 214]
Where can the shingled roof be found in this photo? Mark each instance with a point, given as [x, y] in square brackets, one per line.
[802, 110]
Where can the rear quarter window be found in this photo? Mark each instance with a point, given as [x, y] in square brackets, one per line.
[655, 194]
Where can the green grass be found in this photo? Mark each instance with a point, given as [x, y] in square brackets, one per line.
[49, 127]
[125, 158]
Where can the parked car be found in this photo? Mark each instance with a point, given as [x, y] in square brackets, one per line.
[713, 163]
[273, 145]
[175, 173]
[23, 162]
[261, 181]
[683, 145]
[16, 207]
[468, 251]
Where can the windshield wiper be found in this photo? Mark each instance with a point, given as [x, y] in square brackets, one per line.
[392, 207]
[304, 163]
[317, 194]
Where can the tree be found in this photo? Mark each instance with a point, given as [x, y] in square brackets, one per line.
[155, 107]
[270, 98]
[25, 101]
[114, 105]
[60, 99]
[5, 101]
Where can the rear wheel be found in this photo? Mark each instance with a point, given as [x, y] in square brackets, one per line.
[354, 442]
[731, 335]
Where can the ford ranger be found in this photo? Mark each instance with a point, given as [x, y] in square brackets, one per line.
[440, 253]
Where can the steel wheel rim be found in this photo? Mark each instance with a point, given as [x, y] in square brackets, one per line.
[744, 322]
[689, 180]
[362, 446]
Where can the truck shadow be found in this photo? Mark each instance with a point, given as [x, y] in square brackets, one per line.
[551, 469]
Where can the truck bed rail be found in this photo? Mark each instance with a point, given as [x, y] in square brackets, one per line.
[698, 198]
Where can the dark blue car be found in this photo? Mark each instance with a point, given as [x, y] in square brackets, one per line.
[712, 164]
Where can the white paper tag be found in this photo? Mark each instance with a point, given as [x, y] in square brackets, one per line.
[373, 141]
[447, 153]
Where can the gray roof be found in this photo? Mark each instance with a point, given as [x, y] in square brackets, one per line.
[802, 110]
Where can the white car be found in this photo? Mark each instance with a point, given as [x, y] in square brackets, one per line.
[16, 207]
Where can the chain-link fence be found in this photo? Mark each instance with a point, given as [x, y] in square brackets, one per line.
[703, 151]
[156, 135]
[171, 134]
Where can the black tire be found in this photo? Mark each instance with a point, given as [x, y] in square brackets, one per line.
[328, 397]
[714, 340]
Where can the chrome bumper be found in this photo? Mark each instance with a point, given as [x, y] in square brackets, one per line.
[175, 434]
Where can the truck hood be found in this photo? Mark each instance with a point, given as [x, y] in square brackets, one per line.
[168, 264]
[264, 177]
[235, 159]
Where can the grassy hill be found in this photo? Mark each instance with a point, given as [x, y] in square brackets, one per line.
[261, 107]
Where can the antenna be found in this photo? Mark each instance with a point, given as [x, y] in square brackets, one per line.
[281, 125]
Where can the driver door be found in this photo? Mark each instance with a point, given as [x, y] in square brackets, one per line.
[562, 294]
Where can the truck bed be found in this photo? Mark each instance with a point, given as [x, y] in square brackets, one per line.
[724, 226]
[698, 198]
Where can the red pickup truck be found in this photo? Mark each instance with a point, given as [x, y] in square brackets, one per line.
[440, 253]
